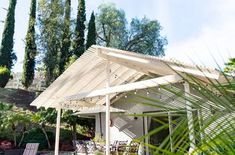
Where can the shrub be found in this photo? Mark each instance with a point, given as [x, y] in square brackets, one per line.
[5, 75]
[35, 135]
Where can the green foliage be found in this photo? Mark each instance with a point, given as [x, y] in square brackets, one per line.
[35, 135]
[230, 66]
[111, 26]
[71, 60]
[211, 106]
[7, 56]
[91, 35]
[78, 44]
[30, 49]
[64, 53]
[45, 116]
[142, 36]
[12, 119]
[51, 26]
[66, 135]
[5, 75]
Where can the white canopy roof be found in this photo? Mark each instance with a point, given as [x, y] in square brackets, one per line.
[88, 73]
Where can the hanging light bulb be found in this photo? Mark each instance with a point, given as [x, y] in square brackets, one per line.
[159, 88]
[125, 96]
[147, 92]
[135, 92]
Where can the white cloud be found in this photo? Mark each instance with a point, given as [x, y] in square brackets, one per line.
[215, 39]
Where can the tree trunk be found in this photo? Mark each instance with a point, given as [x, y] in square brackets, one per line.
[45, 133]
[74, 131]
[14, 134]
[21, 140]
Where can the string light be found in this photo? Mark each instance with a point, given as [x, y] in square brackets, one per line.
[135, 92]
[147, 92]
[125, 96]
[159, 88]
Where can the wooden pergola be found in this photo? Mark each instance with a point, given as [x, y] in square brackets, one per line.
[100, 73]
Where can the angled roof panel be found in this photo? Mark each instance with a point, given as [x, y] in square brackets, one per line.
[88, 73]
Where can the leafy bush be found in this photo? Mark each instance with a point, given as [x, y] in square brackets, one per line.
[35, 135]
[5, 75]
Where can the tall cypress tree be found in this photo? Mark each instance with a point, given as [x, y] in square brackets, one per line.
[30, 49]
[7, 56]
[79, 46]
[91, 35]
[64, 53]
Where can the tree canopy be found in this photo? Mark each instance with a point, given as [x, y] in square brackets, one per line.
[50, 23]
[142, 35]
[7, 56]
[78, 44]
[91, 34]
[30, 49]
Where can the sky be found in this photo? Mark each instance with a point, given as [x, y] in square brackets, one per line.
[198, 31]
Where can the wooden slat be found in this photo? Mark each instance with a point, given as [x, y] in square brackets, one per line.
[127, 87]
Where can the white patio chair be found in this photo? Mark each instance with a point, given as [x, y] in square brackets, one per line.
[31, 149]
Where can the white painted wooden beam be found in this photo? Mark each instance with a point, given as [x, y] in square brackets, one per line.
[107, 111]
[57, 137]
[127, 87]
[192, 140]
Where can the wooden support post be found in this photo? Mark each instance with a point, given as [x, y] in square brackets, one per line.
[170, 130]
[57, 137]
[192, 140]
[107, 111]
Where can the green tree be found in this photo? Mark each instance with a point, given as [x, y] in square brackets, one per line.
[11, 119]
[71, 120]
[7, 56]
[91, 35]
[142, 35]
[78, 44]
[30, 49]
[64, 53]
[51, 26]
[111, 26]
[43, 117]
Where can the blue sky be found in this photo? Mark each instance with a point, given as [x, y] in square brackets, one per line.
[197, 30]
